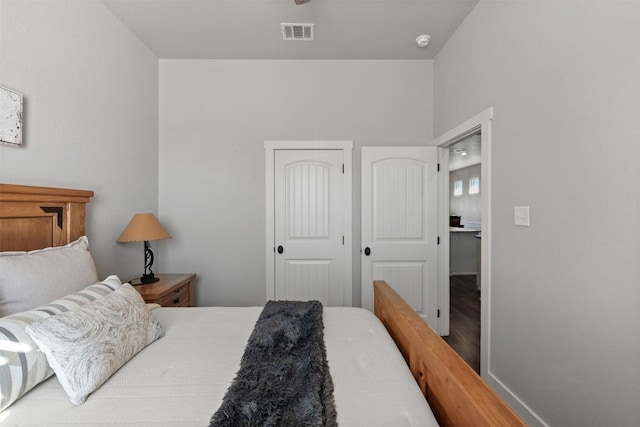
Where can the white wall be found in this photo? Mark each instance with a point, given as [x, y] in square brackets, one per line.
[214, 119]
[563, 78]
[90, 114]
[467, 206]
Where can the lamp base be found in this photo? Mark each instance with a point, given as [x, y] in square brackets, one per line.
[148, 278]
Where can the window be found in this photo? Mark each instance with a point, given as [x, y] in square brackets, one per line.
[457, 188]
[474, 185]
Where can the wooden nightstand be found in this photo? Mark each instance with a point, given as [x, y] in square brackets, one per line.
[172, 290]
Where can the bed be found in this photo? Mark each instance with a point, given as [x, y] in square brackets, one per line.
[181, 378]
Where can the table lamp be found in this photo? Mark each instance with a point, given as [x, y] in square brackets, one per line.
[144, 227]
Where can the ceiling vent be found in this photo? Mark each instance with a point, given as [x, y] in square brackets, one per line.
[297, 31]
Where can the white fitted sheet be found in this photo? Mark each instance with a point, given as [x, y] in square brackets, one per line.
[180, 379]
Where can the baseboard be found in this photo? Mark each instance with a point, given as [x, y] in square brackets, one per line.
[526, 413]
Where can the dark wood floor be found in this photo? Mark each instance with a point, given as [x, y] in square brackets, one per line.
[464, 327]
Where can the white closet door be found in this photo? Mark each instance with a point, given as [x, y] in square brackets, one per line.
[309, 230]
[399, 225]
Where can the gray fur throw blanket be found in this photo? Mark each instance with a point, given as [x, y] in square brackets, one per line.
[284, 377]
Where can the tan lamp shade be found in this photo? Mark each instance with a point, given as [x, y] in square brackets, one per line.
[143, 227]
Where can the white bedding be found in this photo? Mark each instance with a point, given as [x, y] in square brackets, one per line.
[180, 379]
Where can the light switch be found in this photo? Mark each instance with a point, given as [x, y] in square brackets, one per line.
[521, 216]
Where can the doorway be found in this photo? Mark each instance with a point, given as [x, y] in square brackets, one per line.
[308, 214]
[478, 124]
[465, 228]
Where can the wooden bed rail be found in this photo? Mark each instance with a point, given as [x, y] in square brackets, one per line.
[456, 394]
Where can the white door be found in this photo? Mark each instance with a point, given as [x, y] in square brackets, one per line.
[309, 227]
[399, 225]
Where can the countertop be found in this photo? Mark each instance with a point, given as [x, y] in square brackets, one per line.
[463, 230]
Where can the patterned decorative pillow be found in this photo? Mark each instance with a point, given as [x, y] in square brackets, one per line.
[86, 346]
[22, 365]
[30, 279]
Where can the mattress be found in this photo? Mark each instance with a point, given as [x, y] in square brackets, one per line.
[180, 379]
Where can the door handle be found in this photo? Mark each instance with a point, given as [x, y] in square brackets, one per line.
[367, 251]
[280, 249]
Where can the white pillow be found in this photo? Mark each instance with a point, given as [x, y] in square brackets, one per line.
[22, 365]
[30, 279]
[86, 346]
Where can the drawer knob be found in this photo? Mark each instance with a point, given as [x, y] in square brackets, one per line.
[176, 301]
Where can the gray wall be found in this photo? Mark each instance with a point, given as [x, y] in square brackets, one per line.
[563, 78]
[214, 119]
[90, 113]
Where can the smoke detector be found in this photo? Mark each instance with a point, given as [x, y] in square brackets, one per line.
[297, 31]
[423, 40]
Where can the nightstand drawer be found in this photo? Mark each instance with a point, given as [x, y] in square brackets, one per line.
[171, 290]
[177, 297]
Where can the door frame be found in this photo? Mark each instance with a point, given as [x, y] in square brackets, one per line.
[480, 122]
[347, 153]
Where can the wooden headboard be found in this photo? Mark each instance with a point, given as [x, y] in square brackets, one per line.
[39, 217]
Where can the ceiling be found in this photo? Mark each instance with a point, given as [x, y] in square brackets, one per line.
[250, 29]
[472, 149]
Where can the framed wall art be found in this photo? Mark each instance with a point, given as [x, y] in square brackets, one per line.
[10, 117]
